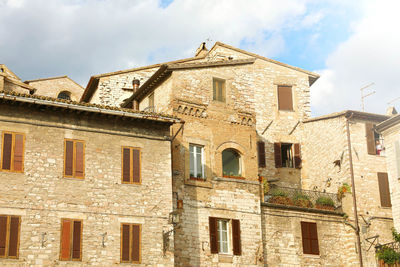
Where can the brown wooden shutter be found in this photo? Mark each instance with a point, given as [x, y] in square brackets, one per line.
[309, 238]
[261, 154]
[135, 243]
[305, 233]
[214, 89]
[314, 238]
[285, 101]
[76, 240]
[371, 146]
[3, 235]
[213, 234]
[297, 156]
[126, 165]
[7, 147]
[136, 165]
[237, 246]
[69, 158]
[125, 243]
[14, 237]
[384, 189]
[79, 159]
[278, 155]
[18, 152]
[65, 239]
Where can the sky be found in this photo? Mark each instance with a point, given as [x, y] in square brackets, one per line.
[351, 44]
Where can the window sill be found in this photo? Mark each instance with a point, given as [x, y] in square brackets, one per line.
[201, 179]
[225, 258]
[312, 256]
[234, 177]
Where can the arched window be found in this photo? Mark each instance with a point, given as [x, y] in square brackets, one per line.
[231, 163]
[64, 95]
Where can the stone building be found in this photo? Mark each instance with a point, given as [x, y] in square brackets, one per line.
[10, 82]
[83, 185]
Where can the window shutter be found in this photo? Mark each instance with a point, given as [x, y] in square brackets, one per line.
[76, 240]
[261, 154]
[222, 85]
[14, 236]
[237, 247]
[309, 238]
[7, 147]
[371, 147]
[125, 243]
[278, 155]
[397, 152]
[126, 165]
[18, 152]
[136, 165]
[384, 189]
[214, 89]
[79, 160]
[3, 235]
[285, 101]
[305, 234]
[213, 234]
[314, 238]
[65, 239]
[69, 158]
[136, 243]
[297, 156]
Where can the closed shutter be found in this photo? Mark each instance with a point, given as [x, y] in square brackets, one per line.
[126, 165]
[125, 243]
[3, 235]
[18, 152]
[237, 247]
[14, 237]
[384, 189]
[369, 133]
[69, 158]
[136, 165]
[397, 151]
[65, 239]
[309, 238]
[79, 160]
[297, 156]
[135, 243]
[213, 234]
[261, 154]
[314, 238]
[278, 155]
[285, 101]
[7, 147]
[76, 240]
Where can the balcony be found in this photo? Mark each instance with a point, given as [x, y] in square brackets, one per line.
[388, 254]
[303, 199]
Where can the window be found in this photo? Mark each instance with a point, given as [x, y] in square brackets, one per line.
[131, 242]
[309, 238]
[64, 95]
[384, 191]
[374, 140]
[12, 152]
[219, 89]
[220, 239]
[285, 101]
[9, 236]
[287, 155]
[71, 240]
[231, 163]
[74, 158]
[196, 161]
[131, 165]
[261, 154]
[151, 100]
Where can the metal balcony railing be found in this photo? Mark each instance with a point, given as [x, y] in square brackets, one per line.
[303, 198]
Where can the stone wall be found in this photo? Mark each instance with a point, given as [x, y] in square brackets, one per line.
[42, 197]
[51, 87]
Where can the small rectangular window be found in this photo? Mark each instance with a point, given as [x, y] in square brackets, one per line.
[374, 140]
[287, 155]
[261, 154]
[71, 240]
[221, 239]
[12, 152]
[196, 161]
[131, 162]
[131, 242]
[219, 89]
[285, 101]
[9, 236]
[384, 191]
[74, 158]
[151, 101]
[309, 238]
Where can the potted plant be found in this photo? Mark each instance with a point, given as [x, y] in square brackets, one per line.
[302, 200]
[388, 255]
[325, 203]
[279, 196]
[344, 188]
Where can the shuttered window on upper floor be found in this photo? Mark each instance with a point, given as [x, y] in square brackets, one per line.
[71, 240]
[309, 238]
[285, 99]
[12, 156]
[131, 242]
[74, 158]
[131, 165]
[220, 237]
[219, 92]
[9, 236]
[287, 155]
[261, 154]
[384, 191]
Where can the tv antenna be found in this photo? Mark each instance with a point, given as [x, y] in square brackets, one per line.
[393, 100]
[364, 96]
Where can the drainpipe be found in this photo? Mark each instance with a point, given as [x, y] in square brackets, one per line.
[353, 189]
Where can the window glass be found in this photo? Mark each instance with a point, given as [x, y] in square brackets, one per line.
[231, 163]
[219, 89]
[223, 242]
[196, 161]
[287, 155]
[64, 95]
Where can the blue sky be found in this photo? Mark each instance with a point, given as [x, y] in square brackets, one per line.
[349, 43]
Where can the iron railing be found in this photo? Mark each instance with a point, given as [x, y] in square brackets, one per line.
[393, 245]
[303, 198]
[150, 109]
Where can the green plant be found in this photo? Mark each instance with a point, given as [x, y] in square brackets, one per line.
[299, 195]
[325, 201]
[388, 255]
[266, 186]
[279, 193]
[344, 188]
[396, 235]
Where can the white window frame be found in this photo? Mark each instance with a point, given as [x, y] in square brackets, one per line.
[220, 233]
[195, 167]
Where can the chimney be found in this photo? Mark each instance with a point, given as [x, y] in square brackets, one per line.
[391, 111]
[202, 50]
[135, 84]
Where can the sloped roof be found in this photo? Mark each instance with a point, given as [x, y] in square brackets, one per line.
[53, 78]
[355, 114]
[8, 72]
[394, 120]
[17, 82]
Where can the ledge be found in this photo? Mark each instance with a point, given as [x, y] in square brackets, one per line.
[311, 210]
[235, 180]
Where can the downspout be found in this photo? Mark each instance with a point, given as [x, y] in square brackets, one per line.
[353, 189]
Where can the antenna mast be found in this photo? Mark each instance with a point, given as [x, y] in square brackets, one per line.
[364, 96]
